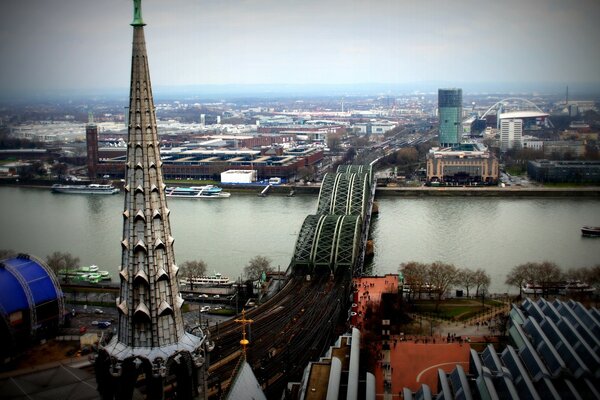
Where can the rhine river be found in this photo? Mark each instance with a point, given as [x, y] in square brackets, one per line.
[491, 233]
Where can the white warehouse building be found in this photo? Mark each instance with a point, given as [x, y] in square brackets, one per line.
[238, 176]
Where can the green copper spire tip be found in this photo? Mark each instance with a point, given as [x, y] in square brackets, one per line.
[137, 13]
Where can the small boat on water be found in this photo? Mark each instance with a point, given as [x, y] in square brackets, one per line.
[88, 274]
[94, 188]
[590, 231]
[91, 268]
[197, 192]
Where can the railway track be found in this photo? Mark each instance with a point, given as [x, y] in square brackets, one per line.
[291, 329]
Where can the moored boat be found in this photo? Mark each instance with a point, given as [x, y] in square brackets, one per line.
[91, 268]
[89, 274]
[94, 188]
[590, 231]
[197, 192]
[104, 275]
[563, 288]
[94, 277]
[213, 280]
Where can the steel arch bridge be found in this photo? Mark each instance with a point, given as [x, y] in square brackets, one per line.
[333, 240]
[344, 193]
[509, 100]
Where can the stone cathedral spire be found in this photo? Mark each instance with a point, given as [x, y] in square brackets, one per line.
[151, 339]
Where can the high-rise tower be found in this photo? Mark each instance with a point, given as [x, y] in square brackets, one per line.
[151, 339]
[450, 116]
[91, 138]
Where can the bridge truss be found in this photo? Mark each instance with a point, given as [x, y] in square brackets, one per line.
[334, 239]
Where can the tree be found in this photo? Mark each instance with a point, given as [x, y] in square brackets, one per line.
[481, 279]
[256, 266]
[62, 262]
[7, 253]
[465, 277]
[406, 155]
[306, 173]
[193, 269]
[592, 276]
[441, 276]
[415, 275]
[544, 274]
[60, 169]
[520, 275]
[334, 141]
[547, 275]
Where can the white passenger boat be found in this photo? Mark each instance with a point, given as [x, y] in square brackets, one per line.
[213, 280]
[93, 188]
[563, 288]
[197, 192]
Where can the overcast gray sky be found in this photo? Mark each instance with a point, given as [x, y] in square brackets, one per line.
[80, 44]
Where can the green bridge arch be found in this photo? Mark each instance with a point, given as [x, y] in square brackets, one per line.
[330, 240]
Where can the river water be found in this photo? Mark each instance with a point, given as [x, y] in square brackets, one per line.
[490, 233]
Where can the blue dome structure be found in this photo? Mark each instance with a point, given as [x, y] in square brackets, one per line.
[31, 302]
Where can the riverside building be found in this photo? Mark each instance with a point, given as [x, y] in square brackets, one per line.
[467, 164]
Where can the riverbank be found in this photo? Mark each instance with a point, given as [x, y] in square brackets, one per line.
[419, 191]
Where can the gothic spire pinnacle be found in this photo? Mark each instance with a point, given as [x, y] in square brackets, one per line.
[137, 13]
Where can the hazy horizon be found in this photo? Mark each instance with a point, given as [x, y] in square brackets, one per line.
[217, 92]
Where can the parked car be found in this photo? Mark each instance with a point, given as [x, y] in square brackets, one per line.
[103, 324]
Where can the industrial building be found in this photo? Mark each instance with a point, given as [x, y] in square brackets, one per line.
[466, 164]
[547, 171]
[196, 163]
[31, 303]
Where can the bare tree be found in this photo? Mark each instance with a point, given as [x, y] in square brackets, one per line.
[544, 274]
[7, 253]
[415, 275]
[406, 155]
[466, 278]
[547, 274]
[441, 276]
[62, 262]
[481, 279]
[256, 266]
[334, 141]
[592, 276]
[60, 169]
[589, 275]
[520, 275]
[193, 269]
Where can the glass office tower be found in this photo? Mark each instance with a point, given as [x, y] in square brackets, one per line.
[450, 115]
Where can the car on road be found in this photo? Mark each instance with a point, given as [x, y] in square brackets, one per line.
[103, 324]
[98, 311]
